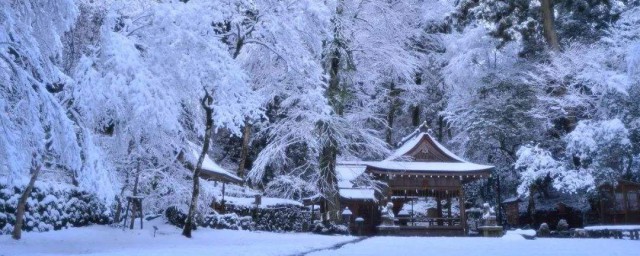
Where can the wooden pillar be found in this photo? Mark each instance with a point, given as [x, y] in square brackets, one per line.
[448, 206]
[463, 214]
[439, 208]
[615, 202]
[625, 201]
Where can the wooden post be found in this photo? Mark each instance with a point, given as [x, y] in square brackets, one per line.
[439, 208]
[126, 213]
[223, 203]
[625, 201]
[463, 214]
[141, 214]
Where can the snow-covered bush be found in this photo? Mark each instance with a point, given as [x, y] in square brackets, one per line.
[51, 208]
[282, 218]
[278, 218]
[176, 217]
[329, 229]
[544, 230]
[562, 225]
[228, 221]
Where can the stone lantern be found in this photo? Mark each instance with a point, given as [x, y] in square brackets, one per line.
[359, 225]
[346, 216]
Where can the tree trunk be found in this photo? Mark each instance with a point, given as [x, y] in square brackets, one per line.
[549, 31]
[207, 101]
[531, 208]
[22, 203]
[246, 136]
[441, 128]
[329, 182]
[415, 116]
[391, 115]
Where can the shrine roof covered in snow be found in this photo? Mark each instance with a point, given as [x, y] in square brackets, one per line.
[210, 170]
[420, 154]
[428, 167]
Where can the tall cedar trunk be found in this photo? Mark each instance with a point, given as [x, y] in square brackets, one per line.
[246, 135]
[22, 203]
[415, 116]
[391, 115]
[546, 7]
[328, 183]
[134, 203]
[531, 208]
[440, 128]
[207, 101]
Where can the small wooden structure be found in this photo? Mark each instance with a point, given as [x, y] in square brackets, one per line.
[511, 208]
[136, 202]
[211, 171]
[421, 167]
[619, 204]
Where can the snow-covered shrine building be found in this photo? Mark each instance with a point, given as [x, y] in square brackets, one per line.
[424, 182]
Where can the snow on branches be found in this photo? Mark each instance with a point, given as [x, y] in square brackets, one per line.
[536, 164]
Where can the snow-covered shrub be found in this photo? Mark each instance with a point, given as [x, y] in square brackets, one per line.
[228, 221]
[51, 208]
[278, 218]
[329, 229]
[282, 218]
[562, 225]
[544, 230]
[176, 217]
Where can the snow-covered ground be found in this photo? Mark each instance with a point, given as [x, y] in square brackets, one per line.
[509, 245]
[104, 240]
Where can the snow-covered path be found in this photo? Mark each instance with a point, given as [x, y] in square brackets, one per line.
[102, 240]
[510, 245]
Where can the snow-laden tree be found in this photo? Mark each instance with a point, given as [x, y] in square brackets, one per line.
[40, 136]
[536, 164]
[141, 88]
[537, 168]
[602, 149]
[538, 23]
[363, 47]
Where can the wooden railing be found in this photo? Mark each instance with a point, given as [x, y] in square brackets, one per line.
[429, 222]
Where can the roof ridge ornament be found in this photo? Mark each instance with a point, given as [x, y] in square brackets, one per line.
[424, 127]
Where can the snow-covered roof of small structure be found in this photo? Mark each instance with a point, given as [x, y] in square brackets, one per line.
[211, 170]
[511, 200]
[349, 171]
[428, 167]
[358, 194]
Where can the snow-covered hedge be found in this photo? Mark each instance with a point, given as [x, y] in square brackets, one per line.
[228, 221]
[279, 218]
[329, 229]
[51, 209]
